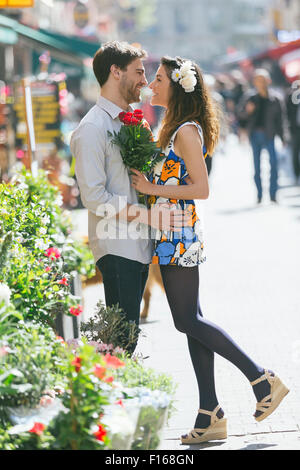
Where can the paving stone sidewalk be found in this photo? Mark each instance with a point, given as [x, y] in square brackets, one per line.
[250, 287]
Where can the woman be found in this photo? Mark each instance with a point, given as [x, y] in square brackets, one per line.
[189, 130]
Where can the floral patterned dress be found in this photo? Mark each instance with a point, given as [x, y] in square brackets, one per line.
[186, 247]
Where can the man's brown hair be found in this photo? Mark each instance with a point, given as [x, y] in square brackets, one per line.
[116, 53]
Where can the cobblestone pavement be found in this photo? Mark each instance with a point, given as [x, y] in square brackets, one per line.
[249, 287]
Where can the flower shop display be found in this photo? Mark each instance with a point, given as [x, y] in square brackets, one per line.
[87, 393]
[29, 361]
[152, 418]
[90, 396]
[38, 256]
[121, 420]
[108, 325]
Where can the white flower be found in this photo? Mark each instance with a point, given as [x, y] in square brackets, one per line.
[45, 220]
[186, 76]
[23, 186]
[40, 244]
[5, 293]
[59, 200]
[186, 67]
[188, 82]
[176, 75]
[42, 231]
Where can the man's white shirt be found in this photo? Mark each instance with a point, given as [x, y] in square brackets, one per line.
[105, 186]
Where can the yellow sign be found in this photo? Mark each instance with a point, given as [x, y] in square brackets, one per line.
[45, 110]
[16, 3]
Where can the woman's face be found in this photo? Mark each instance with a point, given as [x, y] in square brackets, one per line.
[160, 88]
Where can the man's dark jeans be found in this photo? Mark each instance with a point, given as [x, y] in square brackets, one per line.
[260, 141]
[124, 283]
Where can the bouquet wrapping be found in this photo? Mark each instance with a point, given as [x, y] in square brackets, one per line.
[136, 143]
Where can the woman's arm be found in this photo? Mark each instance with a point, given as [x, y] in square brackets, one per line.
[189, 146]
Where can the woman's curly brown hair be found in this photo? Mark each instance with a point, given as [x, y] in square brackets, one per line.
[197, 105]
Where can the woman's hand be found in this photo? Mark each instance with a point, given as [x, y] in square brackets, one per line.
[140, 182]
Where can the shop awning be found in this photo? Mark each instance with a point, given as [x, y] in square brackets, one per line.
[278, 51]
[71, 50]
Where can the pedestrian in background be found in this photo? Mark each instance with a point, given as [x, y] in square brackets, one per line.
[293, 115]
[263, 114]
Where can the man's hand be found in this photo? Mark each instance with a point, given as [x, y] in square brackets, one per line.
[165, 217]
[250, 107]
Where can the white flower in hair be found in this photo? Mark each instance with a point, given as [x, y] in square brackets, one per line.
[188, 82]
[186, 76]
[186, 67]
[176, 75]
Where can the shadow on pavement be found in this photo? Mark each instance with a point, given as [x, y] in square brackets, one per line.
[259, 446]
[238, 210]
[205, 445]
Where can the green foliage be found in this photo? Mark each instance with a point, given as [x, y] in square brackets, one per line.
[150, 424]
[84, 399]
[138, 150]
[32, 361]
[109, 326]
[135, 374]
[31, 223]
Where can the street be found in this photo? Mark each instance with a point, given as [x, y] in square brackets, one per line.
[249, 286]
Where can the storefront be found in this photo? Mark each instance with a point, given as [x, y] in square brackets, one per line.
[56, 66]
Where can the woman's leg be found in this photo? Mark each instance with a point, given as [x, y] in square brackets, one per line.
[182, 290]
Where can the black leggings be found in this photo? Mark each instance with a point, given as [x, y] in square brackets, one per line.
[204, 337]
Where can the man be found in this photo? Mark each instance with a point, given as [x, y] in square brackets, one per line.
[293, 114]
[105, 185]
[264, 120]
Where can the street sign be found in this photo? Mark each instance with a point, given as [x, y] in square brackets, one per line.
[45, 113]
[81, 15]
[16, 3]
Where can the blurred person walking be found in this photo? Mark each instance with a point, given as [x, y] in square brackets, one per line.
[189, 130]
[293, 115]
[263, 114]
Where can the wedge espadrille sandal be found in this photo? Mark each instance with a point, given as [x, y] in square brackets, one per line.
[215, 431]
[270, 402]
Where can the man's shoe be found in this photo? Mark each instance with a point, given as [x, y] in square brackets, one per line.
[273, 199]
[259, 200]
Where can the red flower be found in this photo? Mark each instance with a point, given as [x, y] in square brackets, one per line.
[100, 434]
[134, 121]
[63, 281]
[108, 379]
[113, 361]
[59, 338]
[47, 269]
[37, 429]
[127, 119]
[76, 310]
[122, 115]
[119, 402]
[99, 371]
[52, 253]
[77, 363]
[138, 114]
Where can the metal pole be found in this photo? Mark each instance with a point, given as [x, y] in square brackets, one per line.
[31, 147]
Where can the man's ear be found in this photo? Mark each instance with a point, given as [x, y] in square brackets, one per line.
[115, 71]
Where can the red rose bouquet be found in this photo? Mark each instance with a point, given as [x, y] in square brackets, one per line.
[137, 146]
